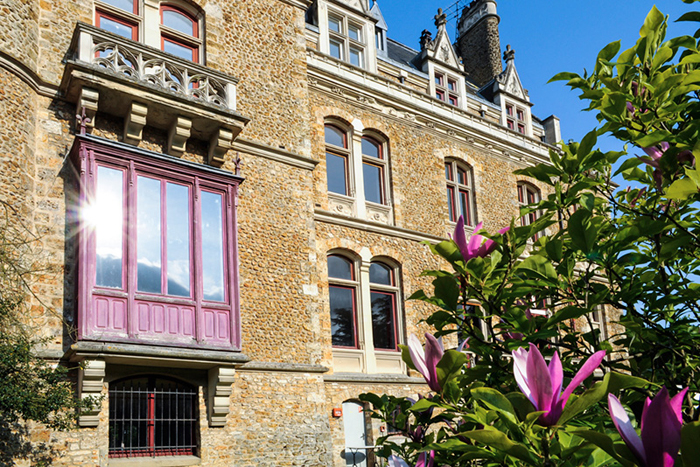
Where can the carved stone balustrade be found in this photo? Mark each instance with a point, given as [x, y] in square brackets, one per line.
[147, 86]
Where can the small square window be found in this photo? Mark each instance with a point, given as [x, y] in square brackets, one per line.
[336, 50]
[454, 101]
[509, 110]
[335, 24]
[521, 115]
[521, 128]
[451, 85]
[355, 33]
[440, 94]
[438, 80]
[355, 57]
[511, 124]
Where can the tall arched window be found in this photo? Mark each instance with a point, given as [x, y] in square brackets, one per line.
[179, 32]
[337, 160]
[528, 194]
[383, 294]
[342, 291]
[175, 26]
[460, 198]
[374, 170]
[150, 416]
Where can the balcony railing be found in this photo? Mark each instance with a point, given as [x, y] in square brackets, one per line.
[148, 65]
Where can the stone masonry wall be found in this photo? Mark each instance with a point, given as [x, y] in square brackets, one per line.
[19, 30]
[480, 47]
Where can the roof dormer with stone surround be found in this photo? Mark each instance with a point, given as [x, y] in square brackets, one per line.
[440, 62]
[347, 32]
[509, 93]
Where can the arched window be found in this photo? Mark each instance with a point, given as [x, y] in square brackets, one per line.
[342, 290]
[374, 170]
[179, 32]
[150, 416]
[383, 294]
[460, 198]
[337, 160]
[179, 24]
[528, 194]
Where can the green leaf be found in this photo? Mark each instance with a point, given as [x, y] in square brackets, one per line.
[564, 76]
[447, 288]
[494, 400]
[604, 442]
[690, 444]
[450, 365]
[566, 313]
[586, 145]
[538, 266]
[582, 231]
[652, 22]
[501, 442]
[690, 16]
[609, 51]
[681, 189]
[555, 250]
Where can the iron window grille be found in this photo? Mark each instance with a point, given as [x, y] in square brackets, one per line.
[152, 417]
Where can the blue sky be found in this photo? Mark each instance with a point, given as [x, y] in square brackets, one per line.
[548, 36]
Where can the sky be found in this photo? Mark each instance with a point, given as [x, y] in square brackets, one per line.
[548, 36]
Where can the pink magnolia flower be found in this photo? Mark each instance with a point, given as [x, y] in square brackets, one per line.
[424, 460]
[426, 361]
[655, 152]
[661, 428]
[474, 247]
[542, 384]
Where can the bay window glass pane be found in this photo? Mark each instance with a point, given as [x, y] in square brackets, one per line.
[370, 148]
[212, 246]
[339, 268]
[336, 173]
[342, 301]
[148, 235]
[335, 49]
[177, 49]
[178, 21]
[355, 57]
[373, 183]
[383, 320]
[116, 27]
[380, 274]
[178, 239]
[105, 214]
[126, 5]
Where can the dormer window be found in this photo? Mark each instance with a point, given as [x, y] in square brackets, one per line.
[446, 89]
[515, 119]
[346, 40]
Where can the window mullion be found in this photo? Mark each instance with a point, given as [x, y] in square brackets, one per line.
[130, 247]
[197, 254]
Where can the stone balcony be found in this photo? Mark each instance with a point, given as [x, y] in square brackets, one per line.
[147, 86]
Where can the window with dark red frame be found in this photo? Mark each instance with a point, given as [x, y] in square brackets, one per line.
[374, 170]
[179, 32]
[459, 192]
[515, 118]
[157, 249]
[151, 416]
[383, 294]
[337, 160]
[446, 89]
[118, 16]
[342, 290]
[527, 195]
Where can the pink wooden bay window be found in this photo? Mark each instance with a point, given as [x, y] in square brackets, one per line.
[157, 249]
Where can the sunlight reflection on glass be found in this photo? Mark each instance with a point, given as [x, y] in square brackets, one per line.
[148, 235]
[105, 215]
[178, 232]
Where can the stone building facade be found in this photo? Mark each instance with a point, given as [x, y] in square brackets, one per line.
[231, 197]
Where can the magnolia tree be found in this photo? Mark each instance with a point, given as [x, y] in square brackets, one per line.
[635, 249]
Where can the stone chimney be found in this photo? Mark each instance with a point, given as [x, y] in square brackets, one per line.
[478, 41]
